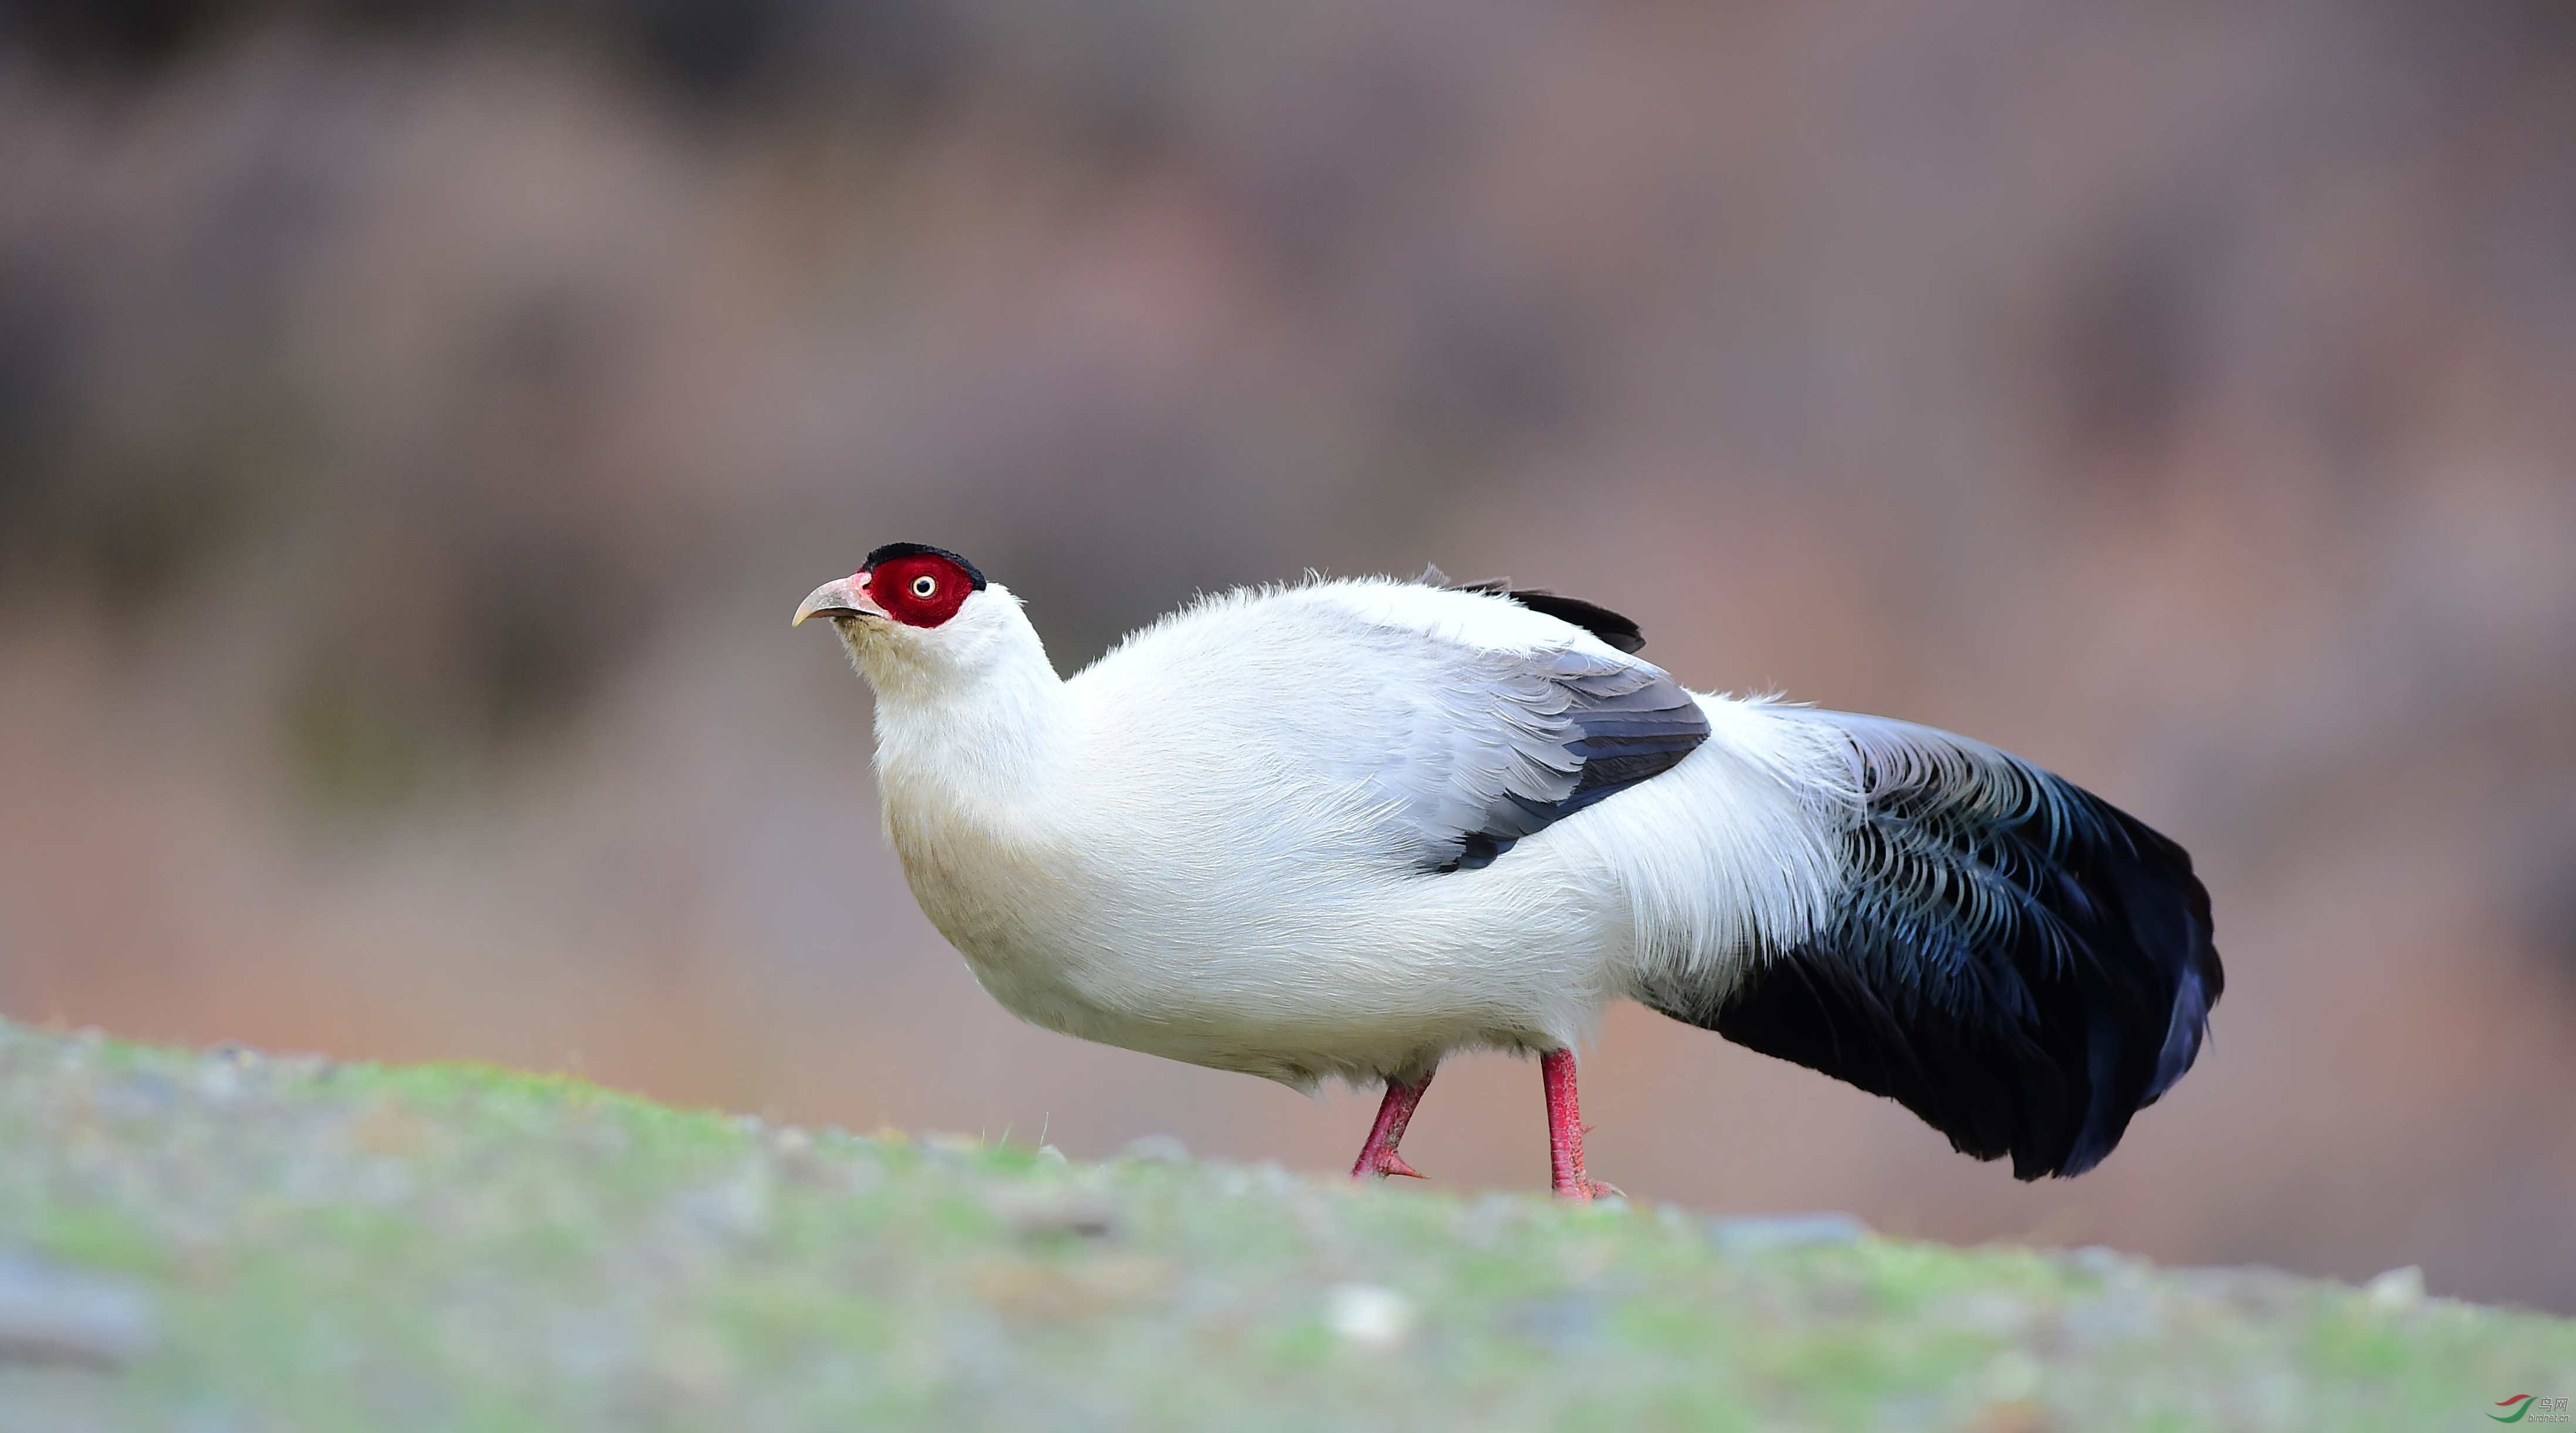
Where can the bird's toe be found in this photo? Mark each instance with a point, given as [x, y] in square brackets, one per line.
[1386, 1163]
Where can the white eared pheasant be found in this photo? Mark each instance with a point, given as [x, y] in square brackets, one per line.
[1342, 829]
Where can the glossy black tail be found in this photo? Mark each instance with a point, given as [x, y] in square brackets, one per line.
[2012, 958]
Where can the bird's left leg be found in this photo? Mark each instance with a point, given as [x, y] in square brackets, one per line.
[1565, 1131]
[1378, 1156]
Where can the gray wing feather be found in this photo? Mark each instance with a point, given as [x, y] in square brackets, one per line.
[1510, 743]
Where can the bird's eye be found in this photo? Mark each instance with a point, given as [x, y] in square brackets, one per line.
[924, 585]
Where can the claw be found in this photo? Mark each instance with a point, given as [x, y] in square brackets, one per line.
[1385, 1164]
[1378, 1156]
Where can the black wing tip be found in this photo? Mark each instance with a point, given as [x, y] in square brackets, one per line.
[1614, 630]
[1477, 850]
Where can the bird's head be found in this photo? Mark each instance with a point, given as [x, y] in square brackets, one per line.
[916, 616]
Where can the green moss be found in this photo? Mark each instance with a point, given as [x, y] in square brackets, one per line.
[460, 1247]
[95, 1237]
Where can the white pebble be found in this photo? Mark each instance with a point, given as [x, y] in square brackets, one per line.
[1369, 1315]
[2397, 1290]
[1160, 1148]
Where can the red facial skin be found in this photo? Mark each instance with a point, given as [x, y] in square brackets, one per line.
[896, 585]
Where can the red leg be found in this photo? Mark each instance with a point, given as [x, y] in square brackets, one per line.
[1565, 1130]
[1378, 1156]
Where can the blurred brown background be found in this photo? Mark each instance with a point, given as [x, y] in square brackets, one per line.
[418, 418]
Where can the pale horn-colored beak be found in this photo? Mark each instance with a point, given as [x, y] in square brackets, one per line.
[849, 595]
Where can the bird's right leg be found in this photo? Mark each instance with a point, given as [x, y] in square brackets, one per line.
[1378, 1156]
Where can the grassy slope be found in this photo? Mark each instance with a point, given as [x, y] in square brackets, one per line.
[289, 1244]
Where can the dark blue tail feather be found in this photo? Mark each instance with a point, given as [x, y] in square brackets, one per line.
[2015, 960]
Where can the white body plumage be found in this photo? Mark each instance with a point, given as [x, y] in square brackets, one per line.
[1199, 847]
[1341, 829]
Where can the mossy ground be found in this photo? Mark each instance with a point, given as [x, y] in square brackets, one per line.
[285, 1244]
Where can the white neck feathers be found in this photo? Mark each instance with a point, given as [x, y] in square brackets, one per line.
[969, 714]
